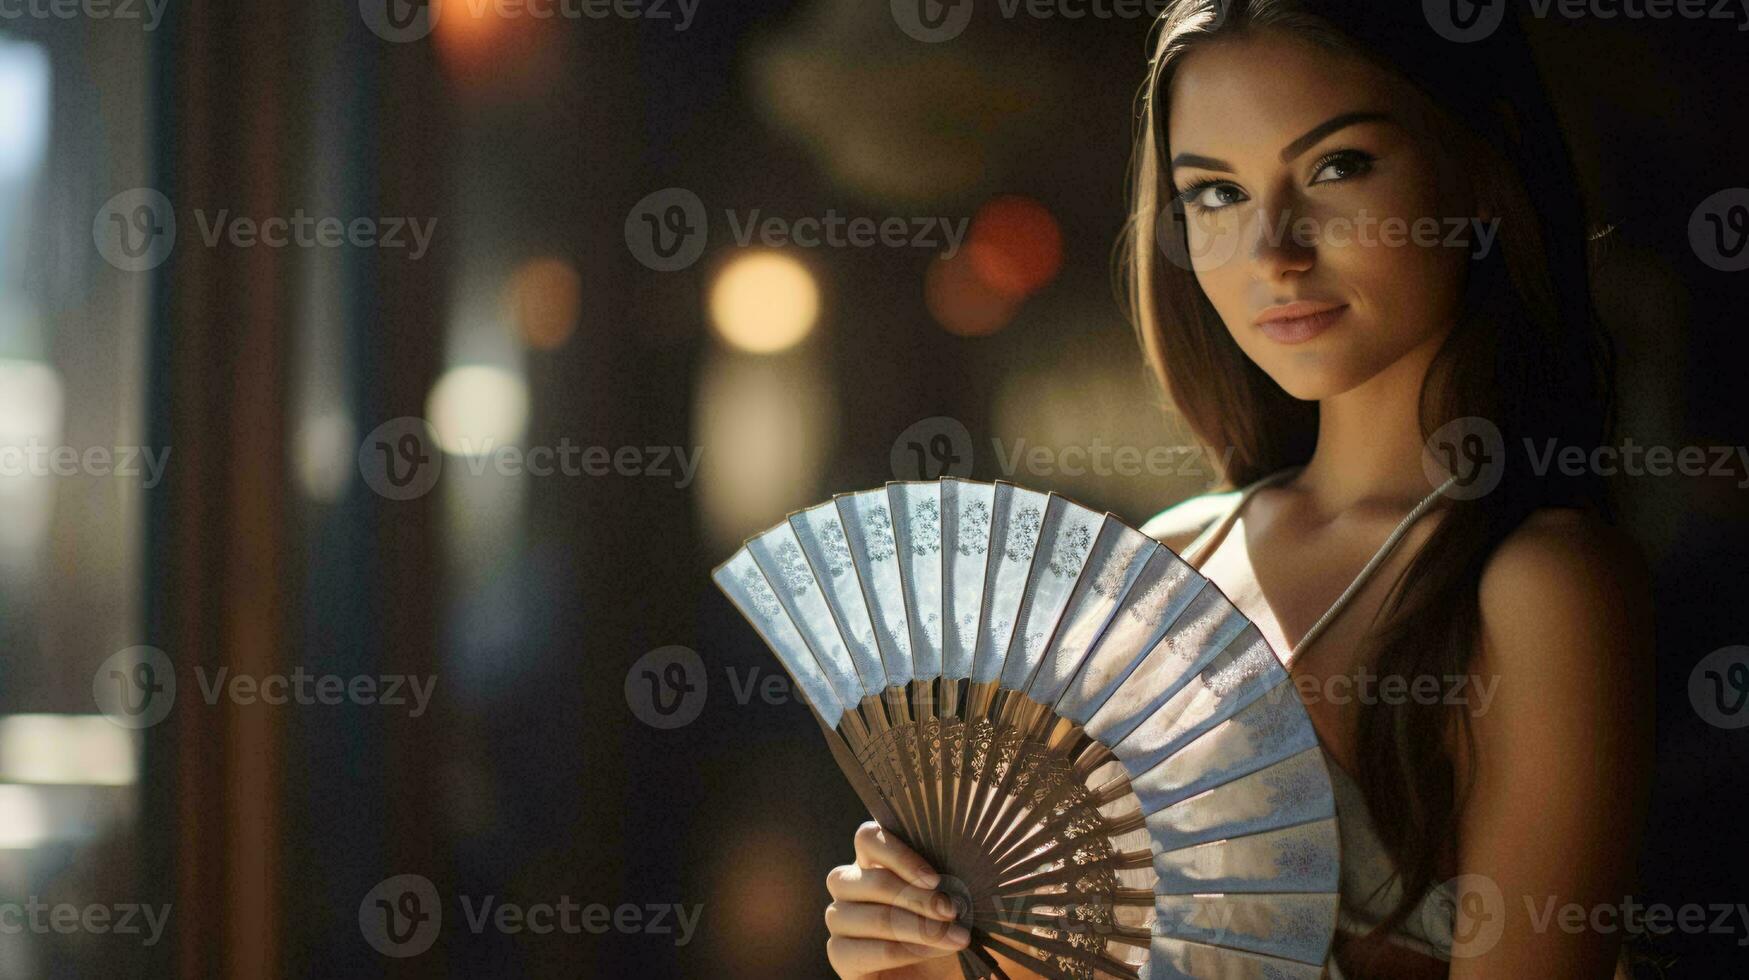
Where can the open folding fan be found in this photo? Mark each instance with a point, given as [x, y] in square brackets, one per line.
[1101, 756]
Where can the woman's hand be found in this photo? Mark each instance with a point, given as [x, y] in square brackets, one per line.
[886, 918]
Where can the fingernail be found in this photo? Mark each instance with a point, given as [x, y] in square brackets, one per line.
[942, 905]
[928, 878]
[958, 936]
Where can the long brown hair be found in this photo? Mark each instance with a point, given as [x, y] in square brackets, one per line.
[1526, 354]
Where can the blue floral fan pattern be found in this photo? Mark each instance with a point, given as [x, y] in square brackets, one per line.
[1100, 752]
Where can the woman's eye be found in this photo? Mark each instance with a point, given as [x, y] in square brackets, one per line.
[1211, 195]
[1344, 163]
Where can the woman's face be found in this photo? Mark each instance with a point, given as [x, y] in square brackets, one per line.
[1313, 180]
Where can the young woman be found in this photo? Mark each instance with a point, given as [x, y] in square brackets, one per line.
[1280, 143]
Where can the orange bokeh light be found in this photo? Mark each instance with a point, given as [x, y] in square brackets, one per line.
[1015, 245]
[961, 301]
[481, 42]
[545, 298]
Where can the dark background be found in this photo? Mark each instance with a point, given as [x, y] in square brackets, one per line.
[529, 599]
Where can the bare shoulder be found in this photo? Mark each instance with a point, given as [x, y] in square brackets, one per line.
[1560, 559]
[1562, 591]
[1177, 526]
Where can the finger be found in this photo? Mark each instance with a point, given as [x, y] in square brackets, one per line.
[875, 848]
[866, 920]
[850, 883]
[852, 957]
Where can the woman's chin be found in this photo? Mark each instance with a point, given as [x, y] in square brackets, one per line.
[1311, 386]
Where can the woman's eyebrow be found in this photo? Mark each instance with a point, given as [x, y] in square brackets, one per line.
[1296, 147]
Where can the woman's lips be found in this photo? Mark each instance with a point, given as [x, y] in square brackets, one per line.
[1299, 329]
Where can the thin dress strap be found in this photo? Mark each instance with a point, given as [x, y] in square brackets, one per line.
[1198, 550]
[1212, 538]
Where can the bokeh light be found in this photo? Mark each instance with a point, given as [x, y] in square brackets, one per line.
[504, 48]
[84, 750]
[764, 887]
[545, 298]
[1015, 245]
[476, 408]
[24, 820]
[764, 302]
[767, 426]
[323, 459]
[961, 301]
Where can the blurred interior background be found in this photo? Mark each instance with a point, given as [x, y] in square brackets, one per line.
[529, 148]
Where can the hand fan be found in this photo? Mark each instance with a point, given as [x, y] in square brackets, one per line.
[1102, 757]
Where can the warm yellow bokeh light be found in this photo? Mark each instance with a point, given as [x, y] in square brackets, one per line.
[475, 408]
[545, 297]
[764, 302]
